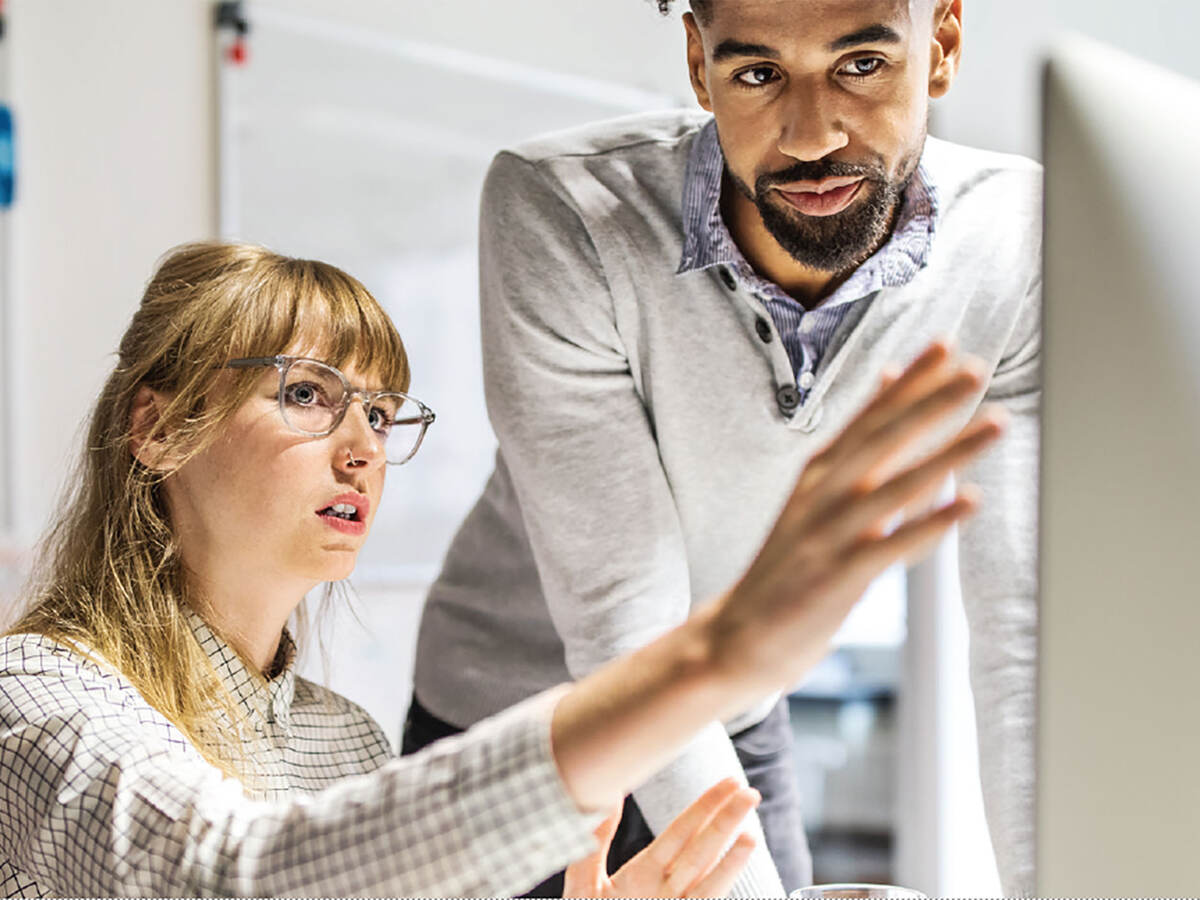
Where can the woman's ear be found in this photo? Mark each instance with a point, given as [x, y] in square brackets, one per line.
[148, 443]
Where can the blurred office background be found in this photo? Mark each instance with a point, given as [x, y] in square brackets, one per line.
[358, 131]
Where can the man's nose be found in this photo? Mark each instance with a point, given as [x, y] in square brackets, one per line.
[811, 126]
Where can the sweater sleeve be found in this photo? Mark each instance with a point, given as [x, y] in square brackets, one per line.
[998, 571]
[580, 448]
[95, 802]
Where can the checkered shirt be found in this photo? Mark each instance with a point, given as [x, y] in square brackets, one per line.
[101, 795]
[808, 335]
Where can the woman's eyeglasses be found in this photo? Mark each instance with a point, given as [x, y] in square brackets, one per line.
[314, 396]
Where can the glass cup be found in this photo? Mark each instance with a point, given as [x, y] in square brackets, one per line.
[868, 891]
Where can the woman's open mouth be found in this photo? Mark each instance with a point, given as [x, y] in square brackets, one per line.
[347, 513]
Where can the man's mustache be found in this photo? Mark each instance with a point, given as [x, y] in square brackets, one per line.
[817, 169]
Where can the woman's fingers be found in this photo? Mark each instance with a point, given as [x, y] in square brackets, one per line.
[861, 512]
[703, 851]
[718, 882]
[587, 877]
[920, 373]
[667, 846]
[875, 452]
[689, 849]
[832, 538]
[608, 828]
[911, 539]
[889, 376]
[904, 412]
[900, 389]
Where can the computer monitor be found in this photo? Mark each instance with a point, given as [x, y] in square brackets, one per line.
[1119, 681]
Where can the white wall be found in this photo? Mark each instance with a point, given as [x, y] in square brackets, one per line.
[113, 100]
[995, 101]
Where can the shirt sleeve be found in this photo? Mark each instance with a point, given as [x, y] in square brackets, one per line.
[580, 448]
[998, 571]
[95, 802]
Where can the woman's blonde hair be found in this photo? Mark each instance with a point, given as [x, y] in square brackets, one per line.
[109, 579]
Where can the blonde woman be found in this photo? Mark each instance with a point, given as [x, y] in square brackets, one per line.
[154, 738]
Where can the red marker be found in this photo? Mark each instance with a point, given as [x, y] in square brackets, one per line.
[236, 53]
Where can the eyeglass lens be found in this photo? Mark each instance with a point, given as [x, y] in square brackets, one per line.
[312, 400]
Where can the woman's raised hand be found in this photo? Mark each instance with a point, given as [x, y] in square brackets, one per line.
[844, 522]
[689, 859]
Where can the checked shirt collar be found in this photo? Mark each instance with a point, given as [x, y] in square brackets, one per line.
[262, 700]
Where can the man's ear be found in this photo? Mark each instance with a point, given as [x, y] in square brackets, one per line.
[147, 442]
[947, 46]
[697, 70]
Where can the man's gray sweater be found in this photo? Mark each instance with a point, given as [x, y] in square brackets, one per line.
[644, 456]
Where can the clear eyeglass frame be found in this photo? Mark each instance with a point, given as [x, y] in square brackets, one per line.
[424, 417]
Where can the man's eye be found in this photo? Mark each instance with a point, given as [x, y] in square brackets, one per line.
[756, 77]
[861, 68]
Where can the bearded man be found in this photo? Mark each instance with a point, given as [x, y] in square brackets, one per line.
[678, 311]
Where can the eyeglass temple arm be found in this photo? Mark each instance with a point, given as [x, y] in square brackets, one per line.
[253, 361]
[427, 416]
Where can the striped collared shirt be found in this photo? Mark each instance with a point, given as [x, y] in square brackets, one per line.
[806, 334]
[101, 795]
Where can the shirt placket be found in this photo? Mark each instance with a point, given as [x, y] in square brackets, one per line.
[809, 357]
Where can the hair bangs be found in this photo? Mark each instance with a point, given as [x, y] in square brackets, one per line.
[319, 310]
[356, 329]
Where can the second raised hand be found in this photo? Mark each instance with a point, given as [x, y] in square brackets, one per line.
[689, 859]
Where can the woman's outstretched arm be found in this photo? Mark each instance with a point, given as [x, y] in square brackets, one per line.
[98, 796]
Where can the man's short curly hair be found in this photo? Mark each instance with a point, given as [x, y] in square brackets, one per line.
[701, 8]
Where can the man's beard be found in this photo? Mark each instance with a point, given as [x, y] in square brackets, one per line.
[844, 240]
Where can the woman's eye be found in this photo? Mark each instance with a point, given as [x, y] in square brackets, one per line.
[379, 420]
[756, 77]
[861, 68]
[303, 394]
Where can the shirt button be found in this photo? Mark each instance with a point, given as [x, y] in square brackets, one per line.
[728, 279]
[788, 399]
[764, 330]
[806, 380]
[807, 325]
